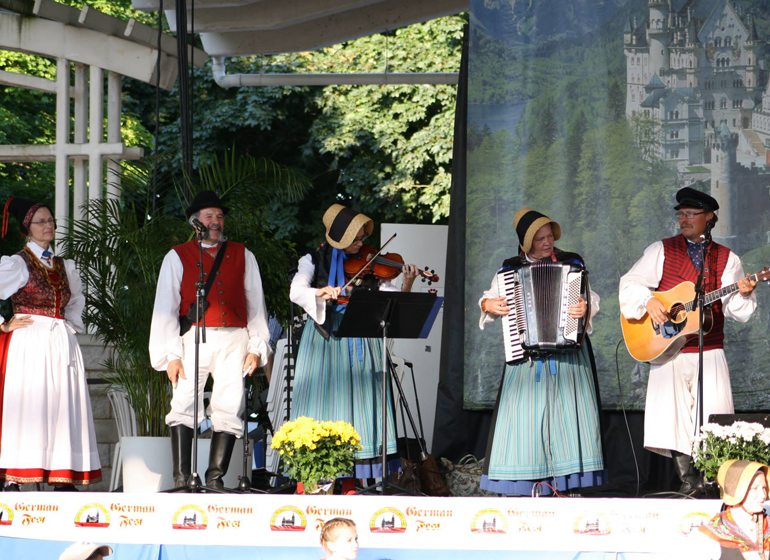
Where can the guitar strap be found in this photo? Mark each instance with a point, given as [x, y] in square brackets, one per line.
[186, 321]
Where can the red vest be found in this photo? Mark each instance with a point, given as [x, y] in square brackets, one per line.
[678, 268]
[47, 292]
[227, 296]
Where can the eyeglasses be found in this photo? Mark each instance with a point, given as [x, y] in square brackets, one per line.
[688, 215]
[48, 222]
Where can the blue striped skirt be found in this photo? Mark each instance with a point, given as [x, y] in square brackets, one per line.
[341, 379]
[546, 427]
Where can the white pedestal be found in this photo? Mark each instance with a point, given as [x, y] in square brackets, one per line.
[147, 463]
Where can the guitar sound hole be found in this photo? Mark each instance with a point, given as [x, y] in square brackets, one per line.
[677, 313]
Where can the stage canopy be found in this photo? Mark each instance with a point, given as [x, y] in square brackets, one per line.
[245, 27]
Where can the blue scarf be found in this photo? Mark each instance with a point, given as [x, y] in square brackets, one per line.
[337, 271]
[337, 279]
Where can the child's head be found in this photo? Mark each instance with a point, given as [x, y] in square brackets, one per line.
[339, 538]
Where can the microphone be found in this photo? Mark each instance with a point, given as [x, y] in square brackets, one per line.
[198, 225]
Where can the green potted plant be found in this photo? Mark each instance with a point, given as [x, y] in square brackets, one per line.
[314, 453]
[741, 440]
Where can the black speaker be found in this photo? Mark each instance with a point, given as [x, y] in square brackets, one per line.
[728, 419]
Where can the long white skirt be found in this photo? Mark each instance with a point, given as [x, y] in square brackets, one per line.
[47, 432]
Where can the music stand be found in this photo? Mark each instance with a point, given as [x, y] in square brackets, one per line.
[376, 314]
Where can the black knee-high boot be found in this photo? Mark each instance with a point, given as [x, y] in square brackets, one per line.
[222, 445]
[692, 481]
[181, 449]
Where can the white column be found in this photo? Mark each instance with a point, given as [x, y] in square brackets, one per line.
[61, 200]
[95, 133]
[114, 89]
[79, 194]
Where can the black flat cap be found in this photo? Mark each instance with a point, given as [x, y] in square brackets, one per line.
[689, 197]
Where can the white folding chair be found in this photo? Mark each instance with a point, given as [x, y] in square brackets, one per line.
[125, 419]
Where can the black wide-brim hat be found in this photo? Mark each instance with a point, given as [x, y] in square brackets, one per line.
[526, 222]
[342, 225]
[21, 209]
[205, 199]
[689, 197]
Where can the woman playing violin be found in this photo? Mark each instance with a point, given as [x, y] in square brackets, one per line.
[339, 378]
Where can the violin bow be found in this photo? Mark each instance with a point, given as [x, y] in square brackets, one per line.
[371, 260]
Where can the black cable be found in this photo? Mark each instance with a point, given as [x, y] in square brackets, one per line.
[184, 88]
[154, 178]
[191, 65]
[625, 417]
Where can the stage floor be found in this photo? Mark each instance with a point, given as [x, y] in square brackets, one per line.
[254, 526]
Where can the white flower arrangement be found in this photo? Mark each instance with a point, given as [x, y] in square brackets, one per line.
[741, 440]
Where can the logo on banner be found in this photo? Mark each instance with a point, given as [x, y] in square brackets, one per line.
[190, 517]
[692, 521]
[387, 520]
[288, 518]
[92, 515]
[6, 515]
[594, 524]
[489, 521]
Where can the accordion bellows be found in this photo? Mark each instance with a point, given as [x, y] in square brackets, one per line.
[538, 295]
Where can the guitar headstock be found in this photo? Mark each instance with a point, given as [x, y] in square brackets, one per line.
[763, 275]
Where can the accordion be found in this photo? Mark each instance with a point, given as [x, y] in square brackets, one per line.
[538, 295]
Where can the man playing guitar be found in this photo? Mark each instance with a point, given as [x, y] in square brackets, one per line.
[671, 407]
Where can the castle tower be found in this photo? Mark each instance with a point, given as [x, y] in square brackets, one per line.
[694, 49]
[753, 52]
[658, 35]
[723, 154]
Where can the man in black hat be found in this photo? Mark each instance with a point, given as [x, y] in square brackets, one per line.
[237, 335]
[672, 391]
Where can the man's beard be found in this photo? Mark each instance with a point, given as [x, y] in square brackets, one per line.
[222, 236]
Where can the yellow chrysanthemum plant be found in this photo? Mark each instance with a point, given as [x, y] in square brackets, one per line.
[314, 451]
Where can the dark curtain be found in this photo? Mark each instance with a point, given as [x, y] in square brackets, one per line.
[457, 431]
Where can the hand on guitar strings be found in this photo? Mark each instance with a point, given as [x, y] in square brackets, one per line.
[657, 311]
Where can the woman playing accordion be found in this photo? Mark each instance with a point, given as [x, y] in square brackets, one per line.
[545, 427]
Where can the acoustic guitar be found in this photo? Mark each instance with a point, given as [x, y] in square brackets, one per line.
[649, 342]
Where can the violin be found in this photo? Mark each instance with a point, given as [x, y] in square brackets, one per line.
[385, 266]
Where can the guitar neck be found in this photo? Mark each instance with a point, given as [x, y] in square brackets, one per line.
[711, 297]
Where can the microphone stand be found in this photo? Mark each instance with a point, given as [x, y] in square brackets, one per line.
[194, 483]
[700, 303]
[259, 412]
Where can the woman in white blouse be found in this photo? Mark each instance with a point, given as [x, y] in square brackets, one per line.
[46, 430]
